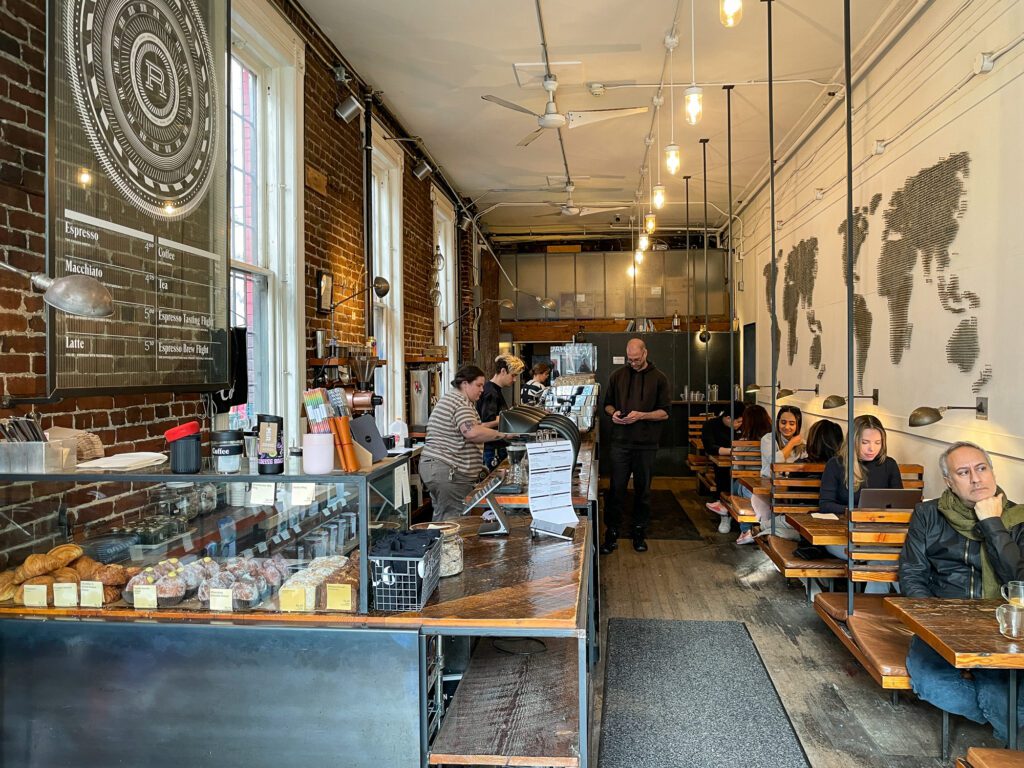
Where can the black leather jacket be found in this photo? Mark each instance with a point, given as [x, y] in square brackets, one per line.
[937, 561]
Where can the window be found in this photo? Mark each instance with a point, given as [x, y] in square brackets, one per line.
[447, 277]
[267, 66]
[387, 258]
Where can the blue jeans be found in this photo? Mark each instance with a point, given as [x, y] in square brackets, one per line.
[743, 493]
[982, 699]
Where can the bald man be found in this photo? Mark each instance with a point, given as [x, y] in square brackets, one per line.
[637, 400]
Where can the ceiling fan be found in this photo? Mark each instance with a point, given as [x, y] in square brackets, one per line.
[569, 208]
[552, 118]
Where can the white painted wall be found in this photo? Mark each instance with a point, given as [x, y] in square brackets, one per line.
[922, 99]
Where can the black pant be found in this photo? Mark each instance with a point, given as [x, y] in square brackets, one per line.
[626, 461]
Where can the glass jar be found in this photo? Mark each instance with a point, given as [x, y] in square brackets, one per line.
[207, 498]
[226, 449]
[186, 500]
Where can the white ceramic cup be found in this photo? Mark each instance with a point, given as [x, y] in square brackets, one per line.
[318, 453]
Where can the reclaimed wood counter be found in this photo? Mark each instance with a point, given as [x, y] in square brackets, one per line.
[506, 582]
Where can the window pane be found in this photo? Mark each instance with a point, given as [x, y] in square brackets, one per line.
[249, 310]
[531, 284]
[618, 269]
[678, 283]
[244, 165]
[650, 289]
[589, 285]
[561, 281]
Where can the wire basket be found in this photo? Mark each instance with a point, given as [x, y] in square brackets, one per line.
[405, 583]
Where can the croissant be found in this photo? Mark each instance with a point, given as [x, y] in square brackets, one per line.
[64, 554]
[111, 595]
[85, 566]
[66, 576]
[35, 565]
[7, 585]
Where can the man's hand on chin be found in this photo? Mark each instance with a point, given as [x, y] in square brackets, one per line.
[990, 507]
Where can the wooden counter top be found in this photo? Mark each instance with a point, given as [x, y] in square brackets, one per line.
[507, 582]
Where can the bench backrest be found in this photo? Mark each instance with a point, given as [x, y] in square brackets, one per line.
[696, 423]
[746, 458]
[913, 475]
[876, 538]
[796, 487]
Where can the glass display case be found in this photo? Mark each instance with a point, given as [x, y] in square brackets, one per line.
[157, 541]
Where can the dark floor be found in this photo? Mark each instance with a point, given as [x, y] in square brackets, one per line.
[840, 715]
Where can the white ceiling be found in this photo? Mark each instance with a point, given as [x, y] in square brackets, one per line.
[434, 60]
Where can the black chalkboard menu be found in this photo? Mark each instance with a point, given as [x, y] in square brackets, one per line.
[137, 148]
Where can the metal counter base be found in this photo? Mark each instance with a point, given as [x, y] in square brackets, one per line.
[97, 694]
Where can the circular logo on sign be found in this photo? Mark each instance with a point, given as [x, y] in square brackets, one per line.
[145, 87]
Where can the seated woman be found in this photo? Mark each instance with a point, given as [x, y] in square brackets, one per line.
[757, 425]
[873, 468]
[823, 441]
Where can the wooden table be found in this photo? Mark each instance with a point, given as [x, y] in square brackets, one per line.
[821, 532]
[966, 634]
[759, 486]
[721, 461]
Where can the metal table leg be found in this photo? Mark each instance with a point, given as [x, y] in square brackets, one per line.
[1011, 712]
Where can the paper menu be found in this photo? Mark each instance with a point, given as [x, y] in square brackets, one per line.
[550, 484]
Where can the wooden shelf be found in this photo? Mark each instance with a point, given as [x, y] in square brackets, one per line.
[513, 709]
[328, 362]
[421, 359]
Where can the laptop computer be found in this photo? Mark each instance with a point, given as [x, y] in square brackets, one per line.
[889, 498]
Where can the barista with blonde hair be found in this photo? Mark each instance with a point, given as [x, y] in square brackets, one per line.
[492, 402]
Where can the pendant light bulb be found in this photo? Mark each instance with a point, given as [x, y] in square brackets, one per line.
[694, 104]
[658, 197]
[645, 242]
[649, 223]
[672, 161]
[730, 12]
[638, 256]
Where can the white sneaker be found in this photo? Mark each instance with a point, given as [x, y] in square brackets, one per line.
[745, 538]
[717, 507]
[725, 525]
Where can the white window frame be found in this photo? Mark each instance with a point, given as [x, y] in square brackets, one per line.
[264, 41]
[388, 167]
[447, 280]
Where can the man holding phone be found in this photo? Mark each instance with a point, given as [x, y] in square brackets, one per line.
[637, 400]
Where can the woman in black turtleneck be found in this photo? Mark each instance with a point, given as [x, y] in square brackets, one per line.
[873, 468]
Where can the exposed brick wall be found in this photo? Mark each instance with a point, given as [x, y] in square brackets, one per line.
[466, 281]
[333, 242]
[417, 254]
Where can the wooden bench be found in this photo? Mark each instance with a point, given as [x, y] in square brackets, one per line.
[878, 640]
[991, 758]
[697, 459]
[746, 464]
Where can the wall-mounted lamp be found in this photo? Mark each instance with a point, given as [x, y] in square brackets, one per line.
[348, 109]
[790, 392]
[503, 303]
[703, 335]
[838, 401]
[380, 287]
[753, 389]
[925, 415]
[78, 295]
[422, 170]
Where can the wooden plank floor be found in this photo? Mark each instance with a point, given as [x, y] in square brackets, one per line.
[841, 716]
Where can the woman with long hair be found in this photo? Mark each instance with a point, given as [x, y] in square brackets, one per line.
[872, 468]
[824, 439]
[785, 444]
[757, 425]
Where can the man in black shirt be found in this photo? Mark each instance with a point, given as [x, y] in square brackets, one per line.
[717, 435]
[637, 399]
[492, 403]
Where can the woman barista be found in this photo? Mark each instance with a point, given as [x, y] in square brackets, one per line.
[451, 462]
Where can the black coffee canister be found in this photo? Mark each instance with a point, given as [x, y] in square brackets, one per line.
[270, 440]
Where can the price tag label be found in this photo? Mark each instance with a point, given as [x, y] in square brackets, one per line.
[339, 597]
[285, 535]
[91, 594]
[292, 599]
[220, 599]
[303, 493]
[275, 540]
[297, 530]
[35, 595]
[145, 595]
[262, 547]
[262, 493]
[186, 542]
[65, 595]
[247, 554]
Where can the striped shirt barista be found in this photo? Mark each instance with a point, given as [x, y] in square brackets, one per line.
[445, 441]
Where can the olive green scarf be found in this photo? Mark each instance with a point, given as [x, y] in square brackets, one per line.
[965, 522]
